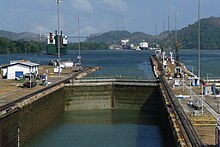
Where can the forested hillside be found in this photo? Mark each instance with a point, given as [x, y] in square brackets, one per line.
[188, 36]
[9, 46]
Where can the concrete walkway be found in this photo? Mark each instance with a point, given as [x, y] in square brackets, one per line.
[205, 104]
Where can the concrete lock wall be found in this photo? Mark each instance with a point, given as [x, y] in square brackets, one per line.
[33, 117]
[135, 97]
[111, 97]
[9, 129]
[88, 97]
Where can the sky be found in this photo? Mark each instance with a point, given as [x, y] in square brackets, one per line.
[99, 16]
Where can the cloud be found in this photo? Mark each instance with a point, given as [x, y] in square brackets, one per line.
[117, 5]
[82, 5]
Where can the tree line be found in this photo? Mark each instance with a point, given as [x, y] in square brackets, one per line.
[21, 46]
[87, 46]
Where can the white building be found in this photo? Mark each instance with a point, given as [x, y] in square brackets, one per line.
[19, 68]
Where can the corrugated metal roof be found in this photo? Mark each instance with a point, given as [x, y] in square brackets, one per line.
[22, 62]
[29, 63]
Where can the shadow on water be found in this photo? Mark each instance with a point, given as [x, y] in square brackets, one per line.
[149, 134]
[154, 110]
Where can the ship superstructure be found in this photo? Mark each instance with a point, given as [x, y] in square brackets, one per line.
[125, 44]
[52, 43]
[143, 45]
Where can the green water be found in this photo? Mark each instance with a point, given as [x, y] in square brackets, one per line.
[100, 128]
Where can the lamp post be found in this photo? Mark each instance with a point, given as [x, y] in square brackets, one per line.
[176, 41]
[79, 56]
[58, 28]
[199, 38]
[58, 34]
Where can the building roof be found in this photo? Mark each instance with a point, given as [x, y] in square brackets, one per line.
[21, 62]
[29, 63]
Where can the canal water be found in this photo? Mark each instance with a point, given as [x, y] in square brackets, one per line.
[99, 128]
[209, 61]
[111, 128]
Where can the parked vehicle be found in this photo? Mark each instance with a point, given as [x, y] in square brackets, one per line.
[196, 104]
[29, 84]
[176, 83]
[77, 67]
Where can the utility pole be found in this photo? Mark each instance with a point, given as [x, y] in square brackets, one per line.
[123, 25]
[155, 36]
[168, 24]
[162, 46]
[176, 40]
[163, 26]
[79, 56]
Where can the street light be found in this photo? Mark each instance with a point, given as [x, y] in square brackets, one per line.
[79, 56]
[198, 38]
[58, 28]
[199, 73]
[176, 41]
[58, 34]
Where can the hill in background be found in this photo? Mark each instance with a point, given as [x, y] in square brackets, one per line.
[187, 36]
[25, 36]
[116, 36]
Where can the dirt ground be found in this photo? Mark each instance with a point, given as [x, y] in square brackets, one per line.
[11, 90]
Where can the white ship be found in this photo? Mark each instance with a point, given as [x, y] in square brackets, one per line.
[125, 44]
[143, 45]
[115, 47]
